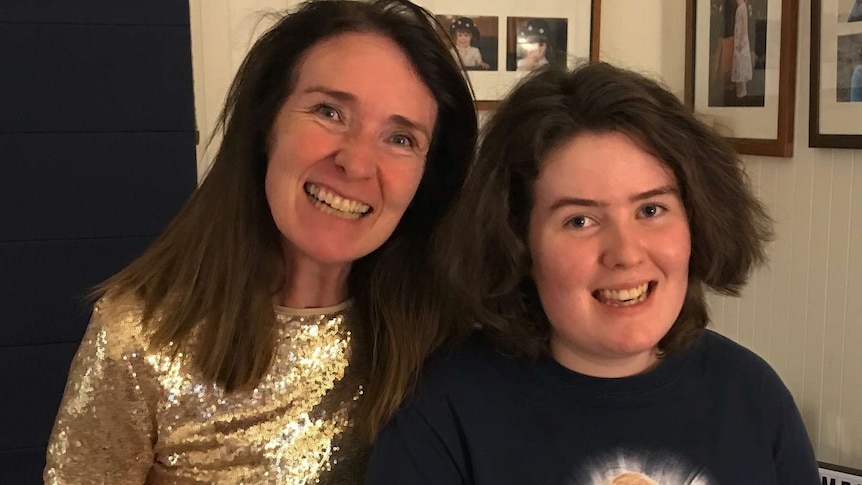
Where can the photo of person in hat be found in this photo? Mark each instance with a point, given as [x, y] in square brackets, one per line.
[475, 40]
[463, 31]
[536, 42]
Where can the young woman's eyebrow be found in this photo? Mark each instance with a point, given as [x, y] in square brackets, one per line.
[581, 202]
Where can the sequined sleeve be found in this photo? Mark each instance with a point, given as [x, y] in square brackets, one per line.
[104, 431]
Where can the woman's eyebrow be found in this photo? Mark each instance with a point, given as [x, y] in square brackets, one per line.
[339, 95]
[581, 202]
[663, 190]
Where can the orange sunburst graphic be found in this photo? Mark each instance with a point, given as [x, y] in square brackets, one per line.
[633, 478]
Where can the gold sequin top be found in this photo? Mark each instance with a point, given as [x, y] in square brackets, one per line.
[132, 414]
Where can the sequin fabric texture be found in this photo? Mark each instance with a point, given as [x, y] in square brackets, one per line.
[136, 415]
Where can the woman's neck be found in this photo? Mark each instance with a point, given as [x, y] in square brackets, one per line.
[311, 284]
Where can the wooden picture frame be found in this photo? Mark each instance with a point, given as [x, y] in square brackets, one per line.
[835, 110]
[753, 107]
[581, 17]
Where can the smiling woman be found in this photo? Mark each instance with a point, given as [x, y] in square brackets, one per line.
[345, 140]
[598, 212]
[277, 322]
[610, 246]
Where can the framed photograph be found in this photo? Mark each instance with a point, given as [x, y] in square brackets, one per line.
[476, 41]
[741, 70]
[835, 114]
[534, 42]
[498, 36]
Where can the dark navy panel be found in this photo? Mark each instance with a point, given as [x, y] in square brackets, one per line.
[151, 12]
[22, 466]
[93, 185]
[93, 78]
[33, 380]
[44, 286]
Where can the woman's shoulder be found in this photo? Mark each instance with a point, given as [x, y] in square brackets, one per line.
[727, 359]
[722, 345]
[116, 326]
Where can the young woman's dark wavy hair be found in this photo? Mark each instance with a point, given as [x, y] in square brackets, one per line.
[218, 264]
[484, 240]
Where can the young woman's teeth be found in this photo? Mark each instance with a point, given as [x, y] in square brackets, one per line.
[335, 205]
[627, 297]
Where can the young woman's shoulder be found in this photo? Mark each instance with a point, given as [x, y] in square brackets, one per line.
[470, 367]
[728, 361]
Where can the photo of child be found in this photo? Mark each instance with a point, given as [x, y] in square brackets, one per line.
[535, 42]
[737, 73]
[475, 40]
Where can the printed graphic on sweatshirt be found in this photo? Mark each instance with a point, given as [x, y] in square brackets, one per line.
[629, 467]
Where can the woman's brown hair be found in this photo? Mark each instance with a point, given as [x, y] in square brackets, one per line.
[218, 264]
[484, 241]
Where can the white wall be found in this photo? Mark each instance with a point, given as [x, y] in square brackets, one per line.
[649, 38]
[222, 32]
[801, 313]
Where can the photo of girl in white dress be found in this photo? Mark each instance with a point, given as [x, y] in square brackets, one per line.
[475, 40]
[737, 44]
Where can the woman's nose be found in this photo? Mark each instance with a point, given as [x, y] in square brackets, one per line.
[622, 247]
[357, 156]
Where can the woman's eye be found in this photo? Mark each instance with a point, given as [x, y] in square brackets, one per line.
[403, 141]
[651, 210]
[327, 111]
[580, 222]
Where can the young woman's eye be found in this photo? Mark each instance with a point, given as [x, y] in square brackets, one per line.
[327, 111]
[402, 140]
[580, 222]
[651, 210]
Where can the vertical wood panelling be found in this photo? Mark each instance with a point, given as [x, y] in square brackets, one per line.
[800, 265]
[835, 304]
[733, 306]
[716, 312]
[763, 321]
[816, 315]
[748, 300]
[781, 260]
[851, 394]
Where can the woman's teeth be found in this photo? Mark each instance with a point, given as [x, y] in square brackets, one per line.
[335, 205]
[627, 297]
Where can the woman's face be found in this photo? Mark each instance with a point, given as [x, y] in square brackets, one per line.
[463, 38]
[610, 245]
[347, 149]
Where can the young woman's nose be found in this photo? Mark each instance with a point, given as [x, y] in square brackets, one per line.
[621, 247]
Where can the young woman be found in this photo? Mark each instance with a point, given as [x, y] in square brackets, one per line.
[272, 328]
[597, 214]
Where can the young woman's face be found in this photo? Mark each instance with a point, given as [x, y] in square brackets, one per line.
[347, 149]
[610, 245]
[463, 38]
